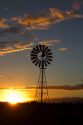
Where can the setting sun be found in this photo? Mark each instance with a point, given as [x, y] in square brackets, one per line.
[15, 96]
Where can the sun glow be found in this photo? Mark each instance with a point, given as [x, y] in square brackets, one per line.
[15, 96]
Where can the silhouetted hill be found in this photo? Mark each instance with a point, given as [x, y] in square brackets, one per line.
[41, 114]
[66, 100]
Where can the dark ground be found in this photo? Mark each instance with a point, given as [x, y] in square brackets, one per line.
[41, 114]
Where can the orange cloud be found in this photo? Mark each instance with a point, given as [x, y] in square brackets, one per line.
[15, 46]
[42, 21]
[62, 50]
[11, 30]
[50, 42]
[19, 25]
[35, 23]
[52, 16]
[57, 14]
[2, 23]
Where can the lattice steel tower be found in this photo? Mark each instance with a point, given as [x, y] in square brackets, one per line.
[41, 56]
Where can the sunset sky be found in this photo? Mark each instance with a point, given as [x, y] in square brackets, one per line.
[55, 23]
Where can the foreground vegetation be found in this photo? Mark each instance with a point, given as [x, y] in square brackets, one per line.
[41, 114]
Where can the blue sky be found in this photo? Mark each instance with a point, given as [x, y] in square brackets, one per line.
[57, 24]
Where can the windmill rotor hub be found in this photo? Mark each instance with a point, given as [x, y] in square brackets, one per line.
[41, 56]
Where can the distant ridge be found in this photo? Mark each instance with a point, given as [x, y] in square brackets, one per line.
[66, 100]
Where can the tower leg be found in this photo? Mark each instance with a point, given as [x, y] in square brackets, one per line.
[42, 81]
[41, 94]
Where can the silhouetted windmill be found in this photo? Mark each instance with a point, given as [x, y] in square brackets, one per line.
[41, 56]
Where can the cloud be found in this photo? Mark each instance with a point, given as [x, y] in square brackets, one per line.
[14, 18]
[24, 25]
[50, 42]
[50, 17]
[13, 29]
[14, 46]
[39, 21]
[3, 23]
[35, 23]
[62, 50]
[7, 47]
[79, 16]
[59, 16]
[56, 14]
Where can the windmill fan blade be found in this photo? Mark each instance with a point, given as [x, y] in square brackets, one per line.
[34, 52]
[33, 55]
[37, 62]
[43, 48]
[33, 58]
[40, 47]
[34, 61]
[46, 48]
[49, 59]
[48, 54]
[48, 51]
[37, 49]
[45, 63]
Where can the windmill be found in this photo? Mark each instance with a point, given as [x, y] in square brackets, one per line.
[41, 56]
